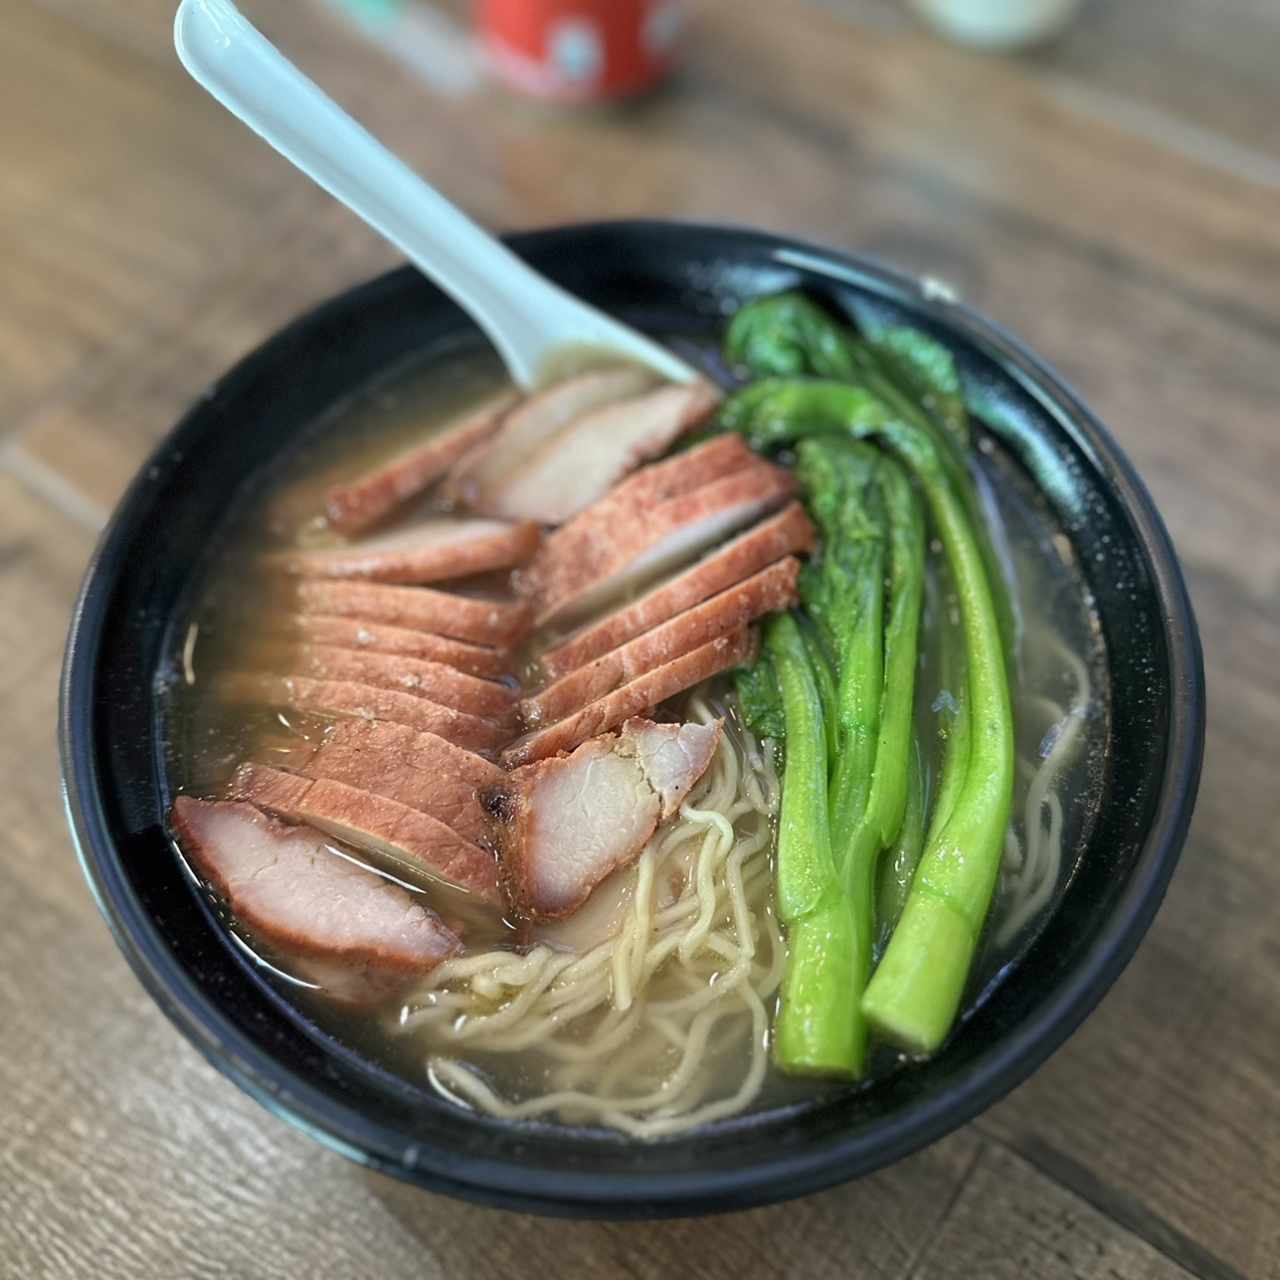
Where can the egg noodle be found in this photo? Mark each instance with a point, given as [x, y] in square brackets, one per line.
[664, 1025]
[1032, 861]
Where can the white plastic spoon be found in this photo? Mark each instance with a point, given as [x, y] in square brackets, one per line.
[527, 318]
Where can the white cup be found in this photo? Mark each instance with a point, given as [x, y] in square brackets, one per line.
[998, 24]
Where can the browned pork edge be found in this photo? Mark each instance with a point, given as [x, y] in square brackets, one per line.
[377, 637]
[682, 473]
[361, 937]
[562, 825]
[366, 701]
[353, 507]
[648, 490]
[493, 622]
[435, 551]
[636, 698]
[434, 681]
[618, 552]
[789, 532]
[421, 770]
[770, 590]
[374, 823]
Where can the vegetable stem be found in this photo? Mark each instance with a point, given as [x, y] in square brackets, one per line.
[953, 721]
[815, 1028]
[825, 678]
[888, 798]
[914, 995]
[899, 861]
[844, 592]
[818, 1030]
[806, 869]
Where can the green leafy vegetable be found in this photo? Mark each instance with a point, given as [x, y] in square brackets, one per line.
[898, 372]
[926, 371]
[873, 529]
[760, 700]
[767, 424]
[820, 386]
[844, 487]
[788, 334]
[914, 994]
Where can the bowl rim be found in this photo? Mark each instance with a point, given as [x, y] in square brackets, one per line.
[994, 1072]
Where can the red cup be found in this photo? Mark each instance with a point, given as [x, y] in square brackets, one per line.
[579, 50]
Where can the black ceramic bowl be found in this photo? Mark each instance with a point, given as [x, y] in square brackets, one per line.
[666, 278]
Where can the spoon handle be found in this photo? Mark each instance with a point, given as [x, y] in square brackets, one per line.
[525, 316]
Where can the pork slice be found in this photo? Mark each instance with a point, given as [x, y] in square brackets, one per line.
[526, 427]
[597, 558]
[493, 622]
[563, 825]
[787, 533]
[429, 551]
[350, 699]
[660, 481]
[421, 770]
[672, 756]
[768, 591]
[353, 507]
[357, 934]
[416, 676]
[371, 637]
[635, 698]
[581, 464]
[375, 824]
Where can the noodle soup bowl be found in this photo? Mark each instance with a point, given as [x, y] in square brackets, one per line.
[677, 280]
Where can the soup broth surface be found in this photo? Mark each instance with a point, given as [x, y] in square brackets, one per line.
[230, 628]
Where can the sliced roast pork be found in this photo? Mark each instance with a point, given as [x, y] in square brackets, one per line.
[348, 698]
[611, 549]
[712, 460]
[378, 637]
[373, 823]
[355, 506]
[355, 933]
[768, 591]
[432, 680]
[635, 698]
[787, 533]
[421, 770]
[580, 464]
[493, 622]
[563, 825]
[430, 551]
[480, 476]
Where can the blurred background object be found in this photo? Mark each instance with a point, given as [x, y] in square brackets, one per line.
[998, 24]
[579, 50]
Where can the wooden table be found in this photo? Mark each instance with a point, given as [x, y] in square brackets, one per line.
[1113, 200]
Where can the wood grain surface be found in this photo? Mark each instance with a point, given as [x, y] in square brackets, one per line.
[1113, 199]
